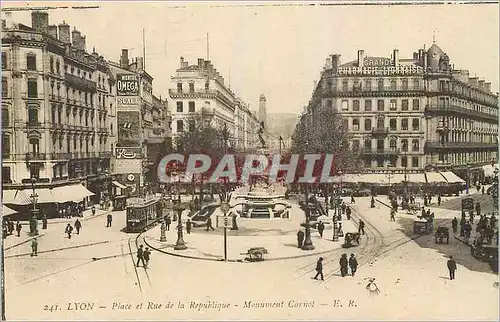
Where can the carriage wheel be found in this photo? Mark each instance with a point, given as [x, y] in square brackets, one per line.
[258, 256]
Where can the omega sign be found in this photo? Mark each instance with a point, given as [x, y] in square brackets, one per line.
[127, 85]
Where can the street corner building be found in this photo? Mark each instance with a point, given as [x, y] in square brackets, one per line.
[418, 119]
[59, 117]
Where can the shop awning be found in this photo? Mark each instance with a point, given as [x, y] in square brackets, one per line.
[351, 178]
[435, 177]
[44, 195]
[6, 211]
[377, 178]
[416, 178]
[75, 193]
[119, 185]
[15, 197]
[452, 178]
[396, 178]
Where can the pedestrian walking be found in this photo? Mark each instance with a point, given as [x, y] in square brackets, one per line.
[393, 215]
[439, 200]
[319, 269]
[321, 228]
[348, 213]
[209, 224]
[300, 238]
[372, 202]
[188, 226]
[93, 210]
[372, 287]
[78, 226]
[34, 247]
[454, 225]
[11, 227]
[68, 230]
[147, 257]
[343, 265]
[352, 199]
[452, 267]
[44, 221]
[361, 227]
[168, 221]
[109, 219]
[340, 231]
[18, 229]
[482, 190]
[353, 264]
[140, 256]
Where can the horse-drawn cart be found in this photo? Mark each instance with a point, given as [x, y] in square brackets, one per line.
[351, 239]
[255, 254]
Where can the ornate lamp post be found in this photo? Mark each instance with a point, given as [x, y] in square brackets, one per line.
[179, 208]
[335, 236]
[34, 211]
[163, 236]
[308, 245]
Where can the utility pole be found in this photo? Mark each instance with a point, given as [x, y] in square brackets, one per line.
[208, 47]
[144, 47]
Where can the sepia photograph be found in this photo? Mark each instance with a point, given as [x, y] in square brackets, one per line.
[238, 160]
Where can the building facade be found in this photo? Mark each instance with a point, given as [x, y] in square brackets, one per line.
[56, 111]
[412, 114]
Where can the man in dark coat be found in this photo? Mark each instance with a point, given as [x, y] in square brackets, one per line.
[188, 226]
[439, 200]
[343, 265]
[352, 199]
[348, 213]
[78, 226]
[321, 228]
[452, 267]
[372, 203]
[361, 227]
[18, 229]
[209, 224]
[109, 220]
[68, 230]
[300, 238]
[454, 225]
[168, 221]
[140, 256]
[353, 264]
[319, 269]
[11, 227]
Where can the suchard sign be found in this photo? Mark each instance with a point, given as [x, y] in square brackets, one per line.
[127, 84]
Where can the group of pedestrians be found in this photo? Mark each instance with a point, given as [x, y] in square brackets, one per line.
[344, 263]
[8, 227]
[69, 229]
[143, 255]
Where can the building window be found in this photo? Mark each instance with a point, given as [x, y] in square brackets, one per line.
[414, 162]
[368, 124]
[380, 162]
[31, 62]
[415, 124]
[32, 88]
[392, 105]
[5, 146]
[404, 105]
[380, 123]
[180, 107]
[416, 84]
[34, 145]
[415, 144]
[180, 126]
[368, 144]
[368, 85]
[6, 175]
[345, 105]
[4, 60]
[368, 105]
[355, 145]
[393, 145]
[380, 145]
[404, 162]
[356, 86]
[191, 88]
[393, 85]
[380, 84]
[355, 124]
[191, 107]
[5, 117]
[32, 116]
[355, 105]
[58, 67]
[345, 125]
[416, 105]
[380, 105]
[368, 163]
[51, 64]
[53, 114]
[404, 145]
[345, 86]
[5, 92]
[179, 87]
[404, 124]
[405, 84]
[392, 125]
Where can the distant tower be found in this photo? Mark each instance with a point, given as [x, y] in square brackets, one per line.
[262, 110]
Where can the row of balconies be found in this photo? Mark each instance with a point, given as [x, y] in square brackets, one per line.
[73, 101]
[444, 127]
[38, 156]
[452, 109]
[61, 126]
[384, 131]
[460, 145]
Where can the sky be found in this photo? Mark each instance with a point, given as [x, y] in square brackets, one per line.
[279, 50]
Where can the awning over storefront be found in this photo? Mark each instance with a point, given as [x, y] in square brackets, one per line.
[6, 211]
[15, 197]
[119, 185]
[452, 178]
[489, 170]
[416, 178]
[396, 178]
[435, 177]
[377, 178]
[351, 178]
[44, 195]
[74, 193]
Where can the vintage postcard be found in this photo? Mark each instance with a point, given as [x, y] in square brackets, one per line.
[249, 160]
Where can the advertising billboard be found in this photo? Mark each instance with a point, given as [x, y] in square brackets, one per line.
[127, 103]
[129, 129]
[127, 84]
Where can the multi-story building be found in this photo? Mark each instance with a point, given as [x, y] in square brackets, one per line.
[412, 114]
[55, 111]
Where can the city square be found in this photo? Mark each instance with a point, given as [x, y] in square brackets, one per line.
[141, 182]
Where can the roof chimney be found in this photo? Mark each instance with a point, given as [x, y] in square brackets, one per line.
[481, 84]
[76, 37]
[395, 57]
[140, 63]
[328, 63]
[335, 62]
[124, 62]
[200, 62]
[64, 35]
[40, 21]
[487, 87]
[361, 58]
[415, 56]
[53, 31]
[182, 62]
[473, 81]
[83, 43]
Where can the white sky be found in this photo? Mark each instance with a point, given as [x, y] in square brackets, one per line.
[279, 51]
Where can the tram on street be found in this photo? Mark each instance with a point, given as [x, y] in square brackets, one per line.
[142, 215]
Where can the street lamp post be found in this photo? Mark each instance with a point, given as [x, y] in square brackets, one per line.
[34, 211]
[179, 245]
[335, 236]
[224, 206]
[467, 184]
[308, 245]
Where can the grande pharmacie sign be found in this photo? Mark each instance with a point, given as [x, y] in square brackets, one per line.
[127, 84]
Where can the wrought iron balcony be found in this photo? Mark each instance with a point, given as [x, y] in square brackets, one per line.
[35, 156]
[33, 124]
[80, 83]
[380, 130]
[452, 109]
[433, 145]
[60, 156]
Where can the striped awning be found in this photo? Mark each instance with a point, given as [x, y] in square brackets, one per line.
[452, 178]
[416, 178]
[435, 177]
[351, 178]
[44, 195]
[6, 211]
[119, 185]
[75, 193]
[15, 197]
